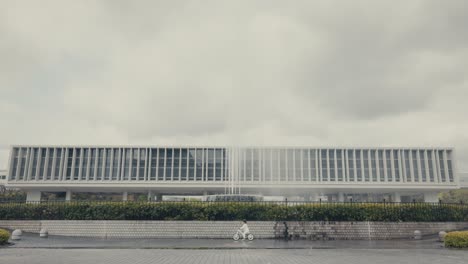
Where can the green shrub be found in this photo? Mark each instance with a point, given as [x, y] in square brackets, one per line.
[4, 236]
[234, 211]
[457, 239]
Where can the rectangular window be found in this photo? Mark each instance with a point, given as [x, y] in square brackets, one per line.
[154, 164]
[92, 165]
[358, 165]
[290, 165]
[339, 164]
[423, 165]
[107, 165]
[115, 164]
[77, 164]
[442, 166]
[449, 165]
[414, 155]
[351, 164]
[161, 164]
[365, 160]
[35, 153]
[176, 165]
[127, 160]
[430, 166]
[268, 165]
[69, 164]
[373, 165]
[381, 166]
[15, 155]
[282, 161]
[58, 161]
[388, 160]
[84, 168]
[407, 165]
[397, 165]
[192, 161]
[323, 154]
[135, 155]
[331, 163]
[100, 164]
[50, 163]
[183, 164]
[141, 174]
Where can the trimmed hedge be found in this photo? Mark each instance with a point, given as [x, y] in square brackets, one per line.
[234, 211]
[4, 236]
[457, 239]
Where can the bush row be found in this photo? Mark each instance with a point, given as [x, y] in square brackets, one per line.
[457, 239]
[233, 211]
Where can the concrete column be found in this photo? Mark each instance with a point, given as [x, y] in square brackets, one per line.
[125, 196]
[397, 197]
[431, 197]
[150, 196]
[159, 197]
[68, 195]
[33, 196]
[341, 197]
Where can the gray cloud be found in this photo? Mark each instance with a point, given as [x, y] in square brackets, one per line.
[317, 73]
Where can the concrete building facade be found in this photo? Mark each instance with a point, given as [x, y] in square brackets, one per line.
[336, 174]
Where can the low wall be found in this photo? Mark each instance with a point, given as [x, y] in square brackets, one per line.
[225, 229]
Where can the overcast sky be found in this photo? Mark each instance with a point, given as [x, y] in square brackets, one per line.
[295, 73]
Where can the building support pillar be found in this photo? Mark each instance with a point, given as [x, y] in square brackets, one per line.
[125, 196]
[341, 198]
[396, 197]
[159, 197]
[431, 197]
[33, 196]
[68, 196]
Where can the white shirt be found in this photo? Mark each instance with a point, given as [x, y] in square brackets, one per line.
[244, 228]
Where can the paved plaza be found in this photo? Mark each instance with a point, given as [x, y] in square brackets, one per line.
[271, 256]
[57, 249]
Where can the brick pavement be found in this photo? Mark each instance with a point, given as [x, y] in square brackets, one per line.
[280, 256]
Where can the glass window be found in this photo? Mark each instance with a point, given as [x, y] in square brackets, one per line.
[282, 164]
[381, 166]
[161, 164]
[358, 165]
[35, 153]
[407, 165]
[50, 163]
[397, 165]
[423, 165]
[141, 174]
[388, 160]
[442, 165]
[107, 165]
[92, 165]
[414, 156]
[85, 163]
[183, 164]
[351, 164]
[176, 165]
[373, 165]
[331, 157]
[115, 164]
[58, 161]
[365, 157]
[339, 164]
[430, 166]
[77, 164]
[154, 164]
[69, 163]
[323, 157]
[15, 155]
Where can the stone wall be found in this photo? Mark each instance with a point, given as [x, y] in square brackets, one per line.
[225, 229]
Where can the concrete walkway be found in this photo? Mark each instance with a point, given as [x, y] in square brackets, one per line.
[33, 241]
